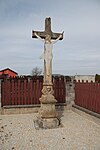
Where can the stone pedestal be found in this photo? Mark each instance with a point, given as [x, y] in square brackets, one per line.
[48, 117]
[47, 111]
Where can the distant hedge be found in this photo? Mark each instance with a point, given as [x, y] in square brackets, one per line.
[97, 78]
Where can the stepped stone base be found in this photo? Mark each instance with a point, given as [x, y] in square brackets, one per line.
[46, 123]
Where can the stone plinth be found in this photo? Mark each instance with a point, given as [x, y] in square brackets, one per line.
[48, 116]
[46, 123]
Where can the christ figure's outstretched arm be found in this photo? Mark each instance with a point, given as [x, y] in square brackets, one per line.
[38, 37]
[53, 42]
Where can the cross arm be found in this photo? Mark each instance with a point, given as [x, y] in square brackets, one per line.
[44, 33]
[41, 34]
[56, 35]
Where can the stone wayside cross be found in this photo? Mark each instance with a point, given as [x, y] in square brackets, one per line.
[48, 117]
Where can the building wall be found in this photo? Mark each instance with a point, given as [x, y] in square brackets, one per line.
[11, 74]
[89, 78]
[8, 72]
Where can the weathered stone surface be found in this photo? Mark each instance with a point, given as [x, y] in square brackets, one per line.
[47, 31]
[47, 99]
[47, 113]
[46, 123]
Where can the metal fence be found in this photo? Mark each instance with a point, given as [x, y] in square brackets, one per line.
[87, 95]
[27, 90]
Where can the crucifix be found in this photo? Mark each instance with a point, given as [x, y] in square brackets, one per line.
[47, 111]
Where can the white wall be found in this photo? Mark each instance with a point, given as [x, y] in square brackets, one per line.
[85, 77]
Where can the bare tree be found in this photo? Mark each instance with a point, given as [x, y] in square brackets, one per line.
[36, 71]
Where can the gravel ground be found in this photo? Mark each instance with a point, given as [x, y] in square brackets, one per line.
[17, 132]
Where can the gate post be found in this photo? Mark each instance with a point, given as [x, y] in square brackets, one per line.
[70, 93]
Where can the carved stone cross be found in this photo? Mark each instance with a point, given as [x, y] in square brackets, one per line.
[47, 35]
[47, 31]
[47, 114]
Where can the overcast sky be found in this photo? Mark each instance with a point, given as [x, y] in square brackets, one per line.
[77, 53]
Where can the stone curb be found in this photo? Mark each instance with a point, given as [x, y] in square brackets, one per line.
[87, 114]
[21, 109]
[87, 111]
